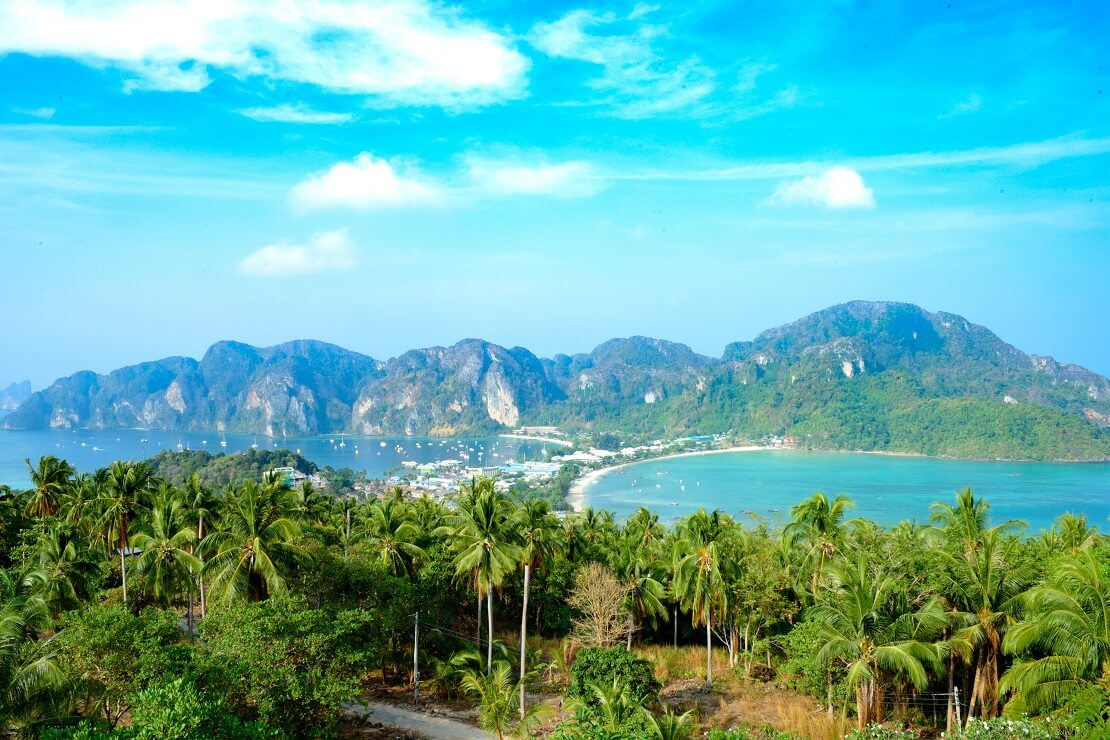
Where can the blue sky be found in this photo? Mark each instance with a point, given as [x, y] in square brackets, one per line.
[391, 175]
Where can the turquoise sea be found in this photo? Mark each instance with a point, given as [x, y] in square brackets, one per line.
[885, 488]
[88, 450]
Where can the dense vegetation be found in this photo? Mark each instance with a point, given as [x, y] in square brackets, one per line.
[861, 375]
[134, 607]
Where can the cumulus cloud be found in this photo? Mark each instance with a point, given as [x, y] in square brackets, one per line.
[294, 113]
[565, 180]
[839, 187]
[365, 182]
[399, 52]
[325, 252]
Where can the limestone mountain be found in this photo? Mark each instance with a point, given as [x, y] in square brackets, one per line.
[861, 375]
[12, 396]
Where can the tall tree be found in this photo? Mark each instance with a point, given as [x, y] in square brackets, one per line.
[539, 533]
[1065, 642]
[254, 546]
[699, 569]
[389, 532]
[484, 540]
[51, 480]
[872, 630]
[818, 524]
[166, 540]
[124, 495]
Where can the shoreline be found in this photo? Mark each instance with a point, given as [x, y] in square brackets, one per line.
[535, 438]
[576, 496]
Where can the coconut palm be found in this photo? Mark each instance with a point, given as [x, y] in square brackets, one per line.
[539, 533]
[167, 540]
[483, 537]
[70, 569]
[495, 695]
[1074, 534]
[29, 672]
[254, 545]
[50, 481]
[389, 533]
[202, 506]
[699, 567]
[1069, 628]
[872, 630]
[668, 726]
[818, 524]
[638, 565]
[309, 505]
[984, 584]
[613, 705]
[124, 495]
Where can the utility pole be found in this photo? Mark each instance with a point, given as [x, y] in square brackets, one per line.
[416, 658]
[956, 691]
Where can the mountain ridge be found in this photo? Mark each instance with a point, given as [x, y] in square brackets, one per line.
[857, 375]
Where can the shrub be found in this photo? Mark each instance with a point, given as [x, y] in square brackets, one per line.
[880, 732]
[1002, 728]
[603, 666]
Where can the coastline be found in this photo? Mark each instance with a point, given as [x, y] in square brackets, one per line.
[535, 438]
[576, 496]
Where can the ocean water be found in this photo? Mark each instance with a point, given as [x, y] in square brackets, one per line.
[887, 489]
[88, 450]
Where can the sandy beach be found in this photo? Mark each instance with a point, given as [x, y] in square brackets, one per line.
[576, 497]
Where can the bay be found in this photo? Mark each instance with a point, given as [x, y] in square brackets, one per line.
[88, 450]
[885, 488]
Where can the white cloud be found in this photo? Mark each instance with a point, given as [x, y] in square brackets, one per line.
[364, 182]
[637, 81]
[565, 180]
[838, 187]
[44, 113]
[325, 252]
[294, 113]
[970, 104]
[401, 52]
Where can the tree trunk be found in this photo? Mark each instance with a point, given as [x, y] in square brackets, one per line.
[123, 571]
[951, 715]
[189, 619]
[479, 622]
[975, 688]
[200, 557]
[708, 650]
[828, 693]
[524, 633]
[489, 626]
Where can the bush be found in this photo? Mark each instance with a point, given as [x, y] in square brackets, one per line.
[286, 664]
[1001, 728]
[803, 671]
[602, 666]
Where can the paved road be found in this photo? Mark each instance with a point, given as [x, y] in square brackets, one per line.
[425, 724]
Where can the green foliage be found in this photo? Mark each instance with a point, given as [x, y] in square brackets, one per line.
[605, 666]
[1001, 728]
[287, 664]
[803, 669]
[224, 469]
[115, 654]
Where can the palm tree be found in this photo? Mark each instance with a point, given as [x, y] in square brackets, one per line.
[985, 586]
[124, 495]
[637, 564]
[50, 481]
[166, 538]
[310, 506]
[254, 544]
[668, 726]
[613, 705]
[495, 695]
[29, 673]
[483, 537]
[1069, 626]
[819, 524]
[539, 532]
[1073, 533]
[391, 535]
[872, 630]
[699, 574]
[201, 504]
[70, 569]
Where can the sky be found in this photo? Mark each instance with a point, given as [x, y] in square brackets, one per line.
[403, 173]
